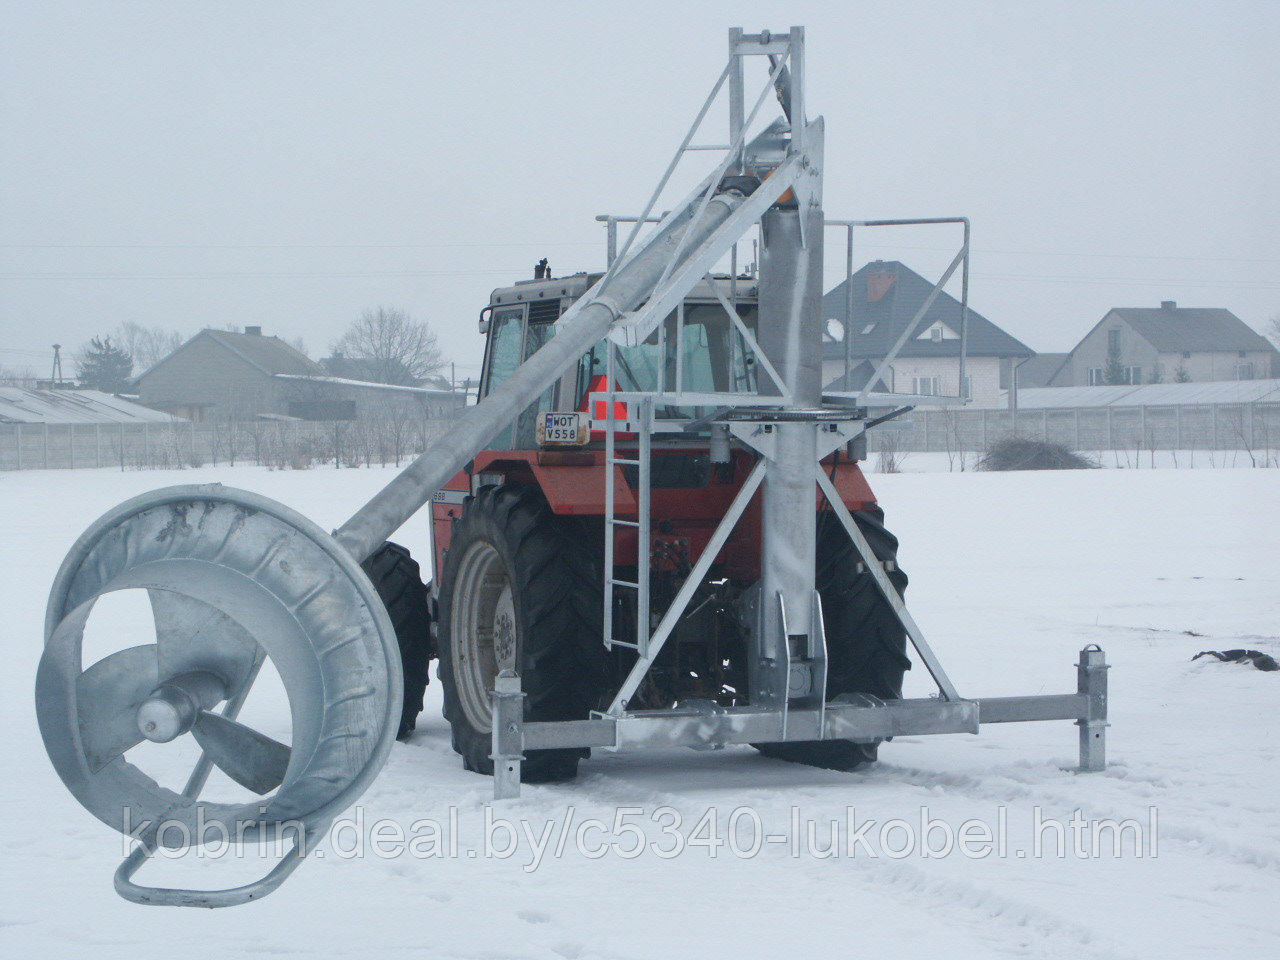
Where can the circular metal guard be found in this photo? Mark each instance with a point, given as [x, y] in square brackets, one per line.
[233, 577]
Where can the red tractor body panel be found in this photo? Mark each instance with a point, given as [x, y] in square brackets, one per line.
[684, 518]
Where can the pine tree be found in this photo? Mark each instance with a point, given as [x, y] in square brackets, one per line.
[100, 366]
[1114, 373]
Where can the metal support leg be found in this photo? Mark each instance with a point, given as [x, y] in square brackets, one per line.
[1091, 672]
[508, 735]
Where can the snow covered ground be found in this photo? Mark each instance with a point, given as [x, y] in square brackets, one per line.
[1011, 574]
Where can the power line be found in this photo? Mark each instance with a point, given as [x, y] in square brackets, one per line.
[1064, 253]
[296, 246]
[307, 275]
[394, 274]
[584, 243]
[1086, 281]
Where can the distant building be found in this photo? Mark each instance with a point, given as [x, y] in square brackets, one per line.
[368, 369]
[334, 398]
[1165, 343]
[217, 375]
[1045, 370]
[21, 405]
[1197, 395]
[886, 296]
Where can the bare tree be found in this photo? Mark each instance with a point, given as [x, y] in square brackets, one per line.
[301, 346]
[18, 377]
[147, 345]
[1272, 330]
[399, 349]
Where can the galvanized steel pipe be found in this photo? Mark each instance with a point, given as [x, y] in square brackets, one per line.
[583, 325]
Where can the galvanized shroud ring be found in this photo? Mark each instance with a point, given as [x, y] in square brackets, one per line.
[294, 590]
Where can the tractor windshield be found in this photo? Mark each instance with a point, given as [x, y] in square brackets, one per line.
[708, 356]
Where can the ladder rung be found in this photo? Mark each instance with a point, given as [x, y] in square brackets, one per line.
[626, 523]
[625, 463]
[624, 583]
[624, 643]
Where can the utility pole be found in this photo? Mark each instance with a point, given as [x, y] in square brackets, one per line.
[55, 375]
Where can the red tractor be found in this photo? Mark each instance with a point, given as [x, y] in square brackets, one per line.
[520, 542]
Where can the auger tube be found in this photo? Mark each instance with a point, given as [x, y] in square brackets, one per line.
[581, 327]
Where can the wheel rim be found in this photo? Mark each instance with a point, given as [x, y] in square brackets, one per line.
[483, 629]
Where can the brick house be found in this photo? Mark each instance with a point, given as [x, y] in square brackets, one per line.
[886, 296]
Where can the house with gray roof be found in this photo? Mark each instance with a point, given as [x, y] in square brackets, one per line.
[1170, 343]
[221, 375]
[886, 296]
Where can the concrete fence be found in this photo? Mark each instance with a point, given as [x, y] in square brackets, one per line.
[1218, 427]
[299, 444]
[169, 446]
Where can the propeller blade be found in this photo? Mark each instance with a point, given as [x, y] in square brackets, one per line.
[107, 699]
[250, 758]
[193, 637]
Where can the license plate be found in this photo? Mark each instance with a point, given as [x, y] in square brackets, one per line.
[561, 429]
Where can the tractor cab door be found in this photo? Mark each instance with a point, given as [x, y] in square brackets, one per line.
[516, 333]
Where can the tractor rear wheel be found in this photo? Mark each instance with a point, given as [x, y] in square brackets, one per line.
[866, 645]
[398, 579]
[521, 589]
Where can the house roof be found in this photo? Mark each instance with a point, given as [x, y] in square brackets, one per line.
[1174, 329]
[1152, 395]
[271, 355]
[368, 369]
[20, 405]
[1042, 369]
[857, 379]
[365, 384]
[876, 326]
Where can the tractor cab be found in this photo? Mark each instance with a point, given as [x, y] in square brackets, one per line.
[696, 348]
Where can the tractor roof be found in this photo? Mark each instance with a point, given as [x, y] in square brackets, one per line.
[575, 285]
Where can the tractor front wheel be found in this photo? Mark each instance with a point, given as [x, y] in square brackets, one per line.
[520, 590]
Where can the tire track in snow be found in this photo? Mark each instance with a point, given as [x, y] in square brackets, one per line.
[1030, 929]
[1014, 791]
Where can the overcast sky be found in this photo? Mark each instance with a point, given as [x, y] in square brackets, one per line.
[293, 164]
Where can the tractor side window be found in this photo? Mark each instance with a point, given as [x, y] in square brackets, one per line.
[527, 423]
[506, 340]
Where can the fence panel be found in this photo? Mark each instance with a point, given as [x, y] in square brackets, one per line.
[301, 444]
[174, 446]
[1253, 427]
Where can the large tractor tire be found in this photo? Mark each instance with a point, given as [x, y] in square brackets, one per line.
[521, 589]
[866, 645]
[398, 579]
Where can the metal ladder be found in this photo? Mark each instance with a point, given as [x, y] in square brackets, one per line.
[639, 416]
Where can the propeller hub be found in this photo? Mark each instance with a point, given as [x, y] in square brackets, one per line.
[172, 708]
[166, 715]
